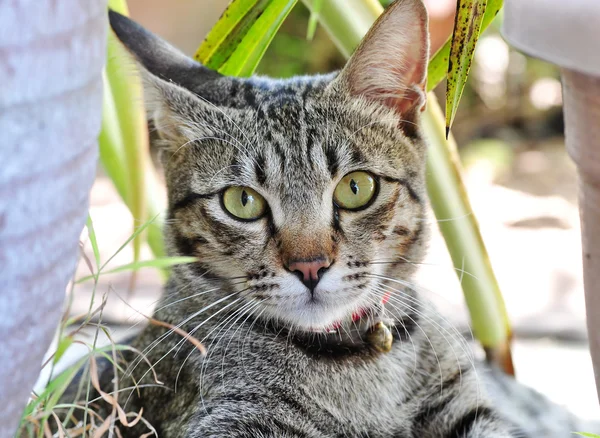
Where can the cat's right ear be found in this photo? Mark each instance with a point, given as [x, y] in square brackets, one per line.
[172, 81]
[390, 64]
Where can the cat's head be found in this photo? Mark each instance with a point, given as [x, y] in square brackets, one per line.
[300, 194]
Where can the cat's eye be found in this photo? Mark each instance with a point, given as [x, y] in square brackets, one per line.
[244, 203]
[355, 191]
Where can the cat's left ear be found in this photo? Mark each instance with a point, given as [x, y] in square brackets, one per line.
[390, 64]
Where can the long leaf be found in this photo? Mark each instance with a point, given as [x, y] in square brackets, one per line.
[438, 66]
[126, 91]
[238, 41]
[347, 21]
[123, 140]
[467, 24]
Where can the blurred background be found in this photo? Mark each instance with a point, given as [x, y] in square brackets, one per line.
[521, 182]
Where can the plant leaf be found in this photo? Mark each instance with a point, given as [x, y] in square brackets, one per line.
[438, 66]
[93, 241]
[63, 346]
[239, 39]
[314, 19]
[127, 92]
[159, 263]
[467, 25]
[136, 233]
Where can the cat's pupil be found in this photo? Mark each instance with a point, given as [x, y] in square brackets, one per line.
[244, 198]
[353, 187]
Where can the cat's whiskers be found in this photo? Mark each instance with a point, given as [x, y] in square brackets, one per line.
[457, 336]
[191, 333]
[463, 345]
[376, 301]
[220, 324]
[155, 343]
[401, 259]
[248, 312]
[243, 344]
[383, 290]
[421, 289]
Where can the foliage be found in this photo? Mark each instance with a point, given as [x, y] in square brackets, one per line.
[44, 410]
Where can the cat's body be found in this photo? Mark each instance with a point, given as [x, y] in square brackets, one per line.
[261, 381]
[304, 201]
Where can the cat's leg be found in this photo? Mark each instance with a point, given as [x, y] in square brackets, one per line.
[464, 416]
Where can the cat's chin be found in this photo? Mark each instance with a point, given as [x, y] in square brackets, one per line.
[316, 317]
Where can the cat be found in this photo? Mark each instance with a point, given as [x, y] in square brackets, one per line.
[304, 202]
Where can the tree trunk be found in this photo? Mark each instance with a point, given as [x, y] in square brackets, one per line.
[51, 58]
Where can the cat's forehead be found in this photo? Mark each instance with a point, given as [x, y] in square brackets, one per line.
[291, 138]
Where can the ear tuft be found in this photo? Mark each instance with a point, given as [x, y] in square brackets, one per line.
[390, 64]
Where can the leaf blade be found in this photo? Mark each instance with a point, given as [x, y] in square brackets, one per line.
[240, 38]
[467, 25]
[438, 66]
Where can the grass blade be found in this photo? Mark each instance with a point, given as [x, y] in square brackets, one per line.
[160, 263]
[124, 149]
[314, 19]
[233, 25]
[467, 24]
[93, 241]
[135, 234]
[460, 229]
[238, 41]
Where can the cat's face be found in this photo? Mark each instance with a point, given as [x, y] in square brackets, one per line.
[299, 194]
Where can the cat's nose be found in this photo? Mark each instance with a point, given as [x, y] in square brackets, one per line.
[309, 271]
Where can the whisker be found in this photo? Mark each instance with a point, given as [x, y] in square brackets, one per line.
[169, 332]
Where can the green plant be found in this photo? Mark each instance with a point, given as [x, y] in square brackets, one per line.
[49, 403]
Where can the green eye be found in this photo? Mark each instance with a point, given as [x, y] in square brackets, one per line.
[355, 191]
[244, 203]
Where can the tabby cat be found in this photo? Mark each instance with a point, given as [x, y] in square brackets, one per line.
[304, 201]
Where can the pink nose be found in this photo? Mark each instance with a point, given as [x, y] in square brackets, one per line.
[309, 271]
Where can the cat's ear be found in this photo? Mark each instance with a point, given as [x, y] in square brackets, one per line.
[390, 64]
[173, 82]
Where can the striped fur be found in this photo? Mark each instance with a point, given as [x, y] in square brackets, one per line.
[274, 367]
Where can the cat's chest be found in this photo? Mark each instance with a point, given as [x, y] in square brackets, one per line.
[361, 394]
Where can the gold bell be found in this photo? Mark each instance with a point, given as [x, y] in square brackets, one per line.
[380, 337]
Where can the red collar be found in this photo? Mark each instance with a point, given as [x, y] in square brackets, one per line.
[357, 315]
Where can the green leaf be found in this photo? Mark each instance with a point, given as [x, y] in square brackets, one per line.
[590, 435]
[127, 100]
[55, 389]
[240, 38]
[314, 19]
[467, 24]
[159, 263]
[63, 346]
[93, 241]
[135, 234]
[119, 6]
[438, 66]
